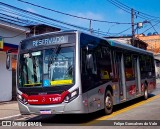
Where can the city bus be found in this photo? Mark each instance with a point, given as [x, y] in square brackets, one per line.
[72, 72]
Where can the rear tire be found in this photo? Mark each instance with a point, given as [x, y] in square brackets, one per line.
[108, 103]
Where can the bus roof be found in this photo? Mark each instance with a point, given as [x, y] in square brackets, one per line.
[125, 46]
[111, 42]
[128, 47]
[49, 33]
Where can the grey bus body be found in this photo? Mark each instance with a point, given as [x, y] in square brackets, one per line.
[98, 67]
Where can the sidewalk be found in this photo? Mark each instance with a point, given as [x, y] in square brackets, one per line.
[9, 109]
[7, 102]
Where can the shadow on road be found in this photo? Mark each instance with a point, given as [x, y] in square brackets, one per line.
[81, 118]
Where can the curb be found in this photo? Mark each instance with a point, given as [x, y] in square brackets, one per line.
[7, 102]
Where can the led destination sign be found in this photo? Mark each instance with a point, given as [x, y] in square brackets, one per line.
[47, 40]
[50, 41]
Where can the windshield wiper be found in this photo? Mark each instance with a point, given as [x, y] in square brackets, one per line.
[55, 52]
[33, 84]
[53, 56]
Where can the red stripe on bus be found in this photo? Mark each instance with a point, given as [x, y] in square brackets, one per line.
[132, 89]
[45, 99]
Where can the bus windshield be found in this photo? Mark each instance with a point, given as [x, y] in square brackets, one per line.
[47, 68]
[30, 68]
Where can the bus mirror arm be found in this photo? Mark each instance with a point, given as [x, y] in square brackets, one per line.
[8, 60]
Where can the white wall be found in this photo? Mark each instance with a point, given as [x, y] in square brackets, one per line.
[5, 80]
[11, 34]
[8, 32]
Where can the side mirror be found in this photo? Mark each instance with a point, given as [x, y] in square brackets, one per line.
[8, 61]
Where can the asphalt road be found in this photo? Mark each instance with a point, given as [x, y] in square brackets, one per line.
[132, 112]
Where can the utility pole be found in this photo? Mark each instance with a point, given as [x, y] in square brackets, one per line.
[132, 21]
[90, 26]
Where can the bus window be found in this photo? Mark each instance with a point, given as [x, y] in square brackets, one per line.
[91, 63]
[104, 63]
[142, 66]
[149, 66]
[88, 69]
[153, 67]
[129, 72]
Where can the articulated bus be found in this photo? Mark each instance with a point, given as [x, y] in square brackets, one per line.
[73, 72]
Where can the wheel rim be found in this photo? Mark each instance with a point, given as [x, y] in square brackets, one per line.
[108, 102]
[146, 93]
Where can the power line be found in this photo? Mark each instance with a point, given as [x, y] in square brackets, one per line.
[42, 21]
[124, 30]
[137, 13]
[44, 17]
[151, 27]
[16, 19]
[36, 18]
[122, 7]
[10, 20]
[67, 14]
[127, 8]
[119, 6]
[137, 10]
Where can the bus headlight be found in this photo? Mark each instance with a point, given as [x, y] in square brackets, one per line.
[21, 99]
[19, 96]
[71, 96]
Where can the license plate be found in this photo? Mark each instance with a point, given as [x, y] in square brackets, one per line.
[45, 112]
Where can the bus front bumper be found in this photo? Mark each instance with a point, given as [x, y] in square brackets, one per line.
[75, 106]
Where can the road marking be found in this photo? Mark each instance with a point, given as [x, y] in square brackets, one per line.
[121, 111]
[8, 117]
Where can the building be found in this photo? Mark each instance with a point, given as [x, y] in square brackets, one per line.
[40, 29]
[10, 36]
[153, 42]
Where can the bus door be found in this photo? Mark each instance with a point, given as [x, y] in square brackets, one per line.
[137, 74]
[121, 76]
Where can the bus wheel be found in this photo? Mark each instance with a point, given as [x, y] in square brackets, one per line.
[146, 93]
[108, 103]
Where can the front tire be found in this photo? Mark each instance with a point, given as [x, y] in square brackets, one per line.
[108, 103]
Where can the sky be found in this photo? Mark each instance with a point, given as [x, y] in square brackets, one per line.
[99, 10]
